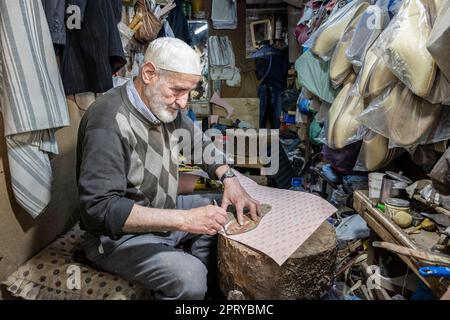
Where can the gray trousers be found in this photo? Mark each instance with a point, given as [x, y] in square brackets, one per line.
[157, 261]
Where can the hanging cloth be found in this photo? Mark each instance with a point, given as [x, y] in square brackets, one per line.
[32, 100]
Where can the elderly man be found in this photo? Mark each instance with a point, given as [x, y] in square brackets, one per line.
[128, 180]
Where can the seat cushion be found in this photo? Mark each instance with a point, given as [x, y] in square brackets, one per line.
[60, 272]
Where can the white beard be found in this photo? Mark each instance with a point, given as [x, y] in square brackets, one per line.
[164, 115]
[159, 109]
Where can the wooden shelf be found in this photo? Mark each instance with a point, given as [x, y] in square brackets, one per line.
[388, 231]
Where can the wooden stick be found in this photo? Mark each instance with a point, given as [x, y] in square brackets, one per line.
[446, 295]
[419, 254]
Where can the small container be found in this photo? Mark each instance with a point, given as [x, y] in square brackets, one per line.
[296, 184]
[398, 211]
[375, 183]
[417, 218]
[394, 204]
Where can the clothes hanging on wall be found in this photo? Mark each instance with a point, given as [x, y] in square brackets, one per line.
[55, 10]
[178, 23]
[224, 14]
[221, 58]
[33, 103]
[314, 74]
[94, 53]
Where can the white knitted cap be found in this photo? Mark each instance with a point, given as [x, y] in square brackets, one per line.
[174, 55]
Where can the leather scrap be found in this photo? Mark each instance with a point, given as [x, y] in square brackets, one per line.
[232, 227]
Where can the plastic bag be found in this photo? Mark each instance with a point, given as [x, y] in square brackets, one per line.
[440, 93]
[329, 33]
[374, 77]
[375, 153]
[405, 119]
[439, 41]
[343, 126]
[402, 47]
[340, 65]
[441, 131]
[368, 29]
[324, 110]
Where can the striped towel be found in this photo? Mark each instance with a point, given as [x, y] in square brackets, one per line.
[32, 100]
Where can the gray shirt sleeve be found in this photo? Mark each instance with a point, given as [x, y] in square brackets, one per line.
[200, 140]
[102, 182]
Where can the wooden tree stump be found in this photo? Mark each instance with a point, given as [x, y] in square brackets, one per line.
[307, 274]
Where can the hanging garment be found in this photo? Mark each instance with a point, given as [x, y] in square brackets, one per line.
[224, 14]
[55, 10]
[301, 34]
[32, 100]
[314, 74]
[94, 53]
[342, 160]
[178, 23]
[221, 58]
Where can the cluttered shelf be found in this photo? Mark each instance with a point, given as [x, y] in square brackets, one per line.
[432, 205]
[385, 228]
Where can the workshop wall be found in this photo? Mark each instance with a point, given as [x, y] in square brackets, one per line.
[22, 236]
[237, 38]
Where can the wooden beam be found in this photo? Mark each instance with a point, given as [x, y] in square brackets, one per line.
[416, 253]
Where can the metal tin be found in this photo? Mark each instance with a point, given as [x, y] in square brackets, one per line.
[396, 202]
[417, 218]
[397, 207]
[399, 177]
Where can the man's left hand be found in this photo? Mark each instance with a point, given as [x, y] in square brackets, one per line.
[235, 194]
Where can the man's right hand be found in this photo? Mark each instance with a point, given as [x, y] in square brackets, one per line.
[205, 220]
